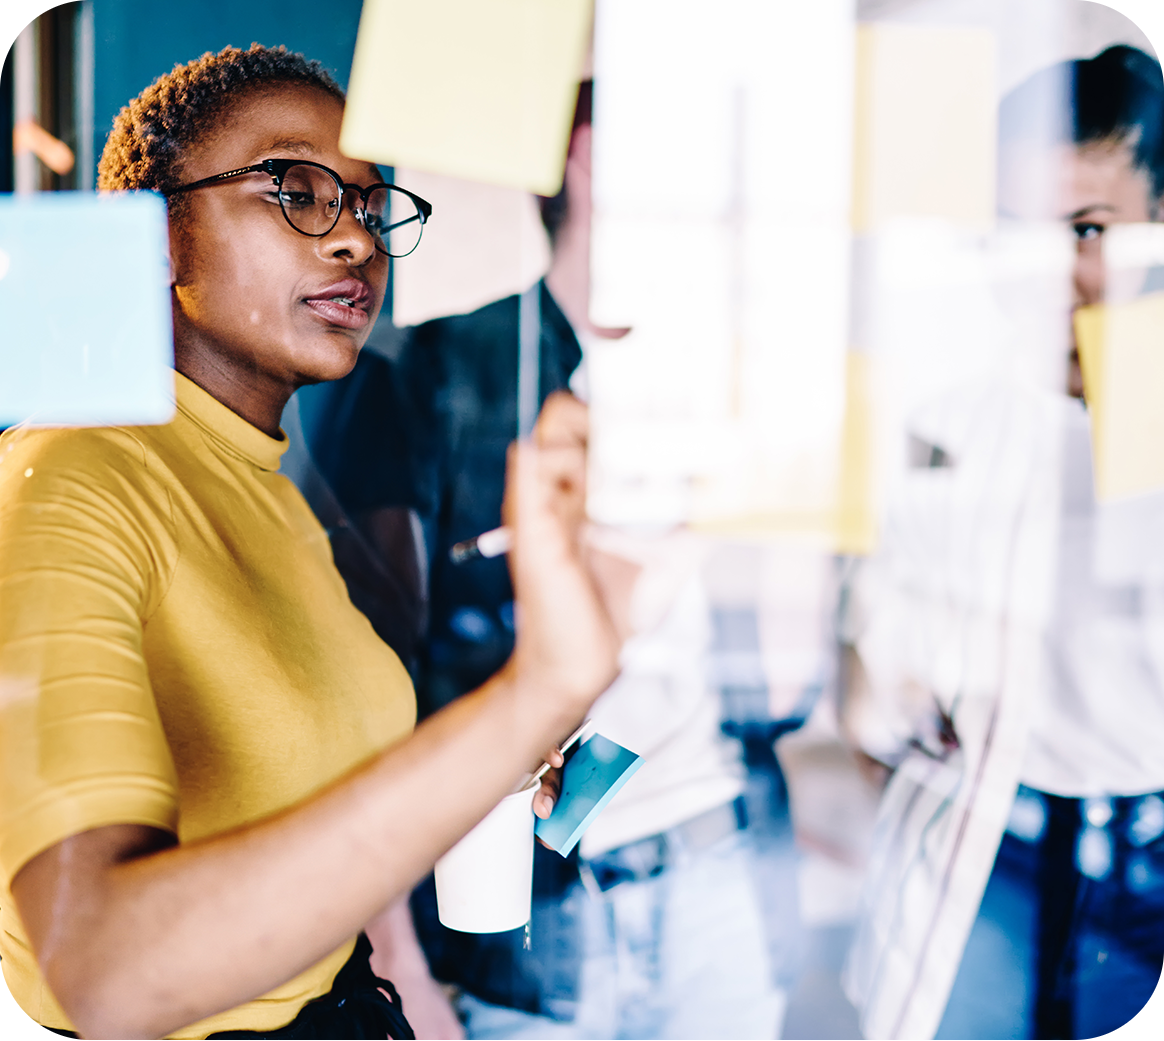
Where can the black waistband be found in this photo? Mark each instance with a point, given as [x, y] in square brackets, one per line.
[360, 1006]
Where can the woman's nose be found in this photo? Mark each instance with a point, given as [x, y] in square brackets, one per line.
[349, 237]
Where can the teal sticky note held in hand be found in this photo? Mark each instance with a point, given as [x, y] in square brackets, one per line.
[590, 779]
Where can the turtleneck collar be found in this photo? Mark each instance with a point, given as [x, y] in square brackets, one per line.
[227, 428]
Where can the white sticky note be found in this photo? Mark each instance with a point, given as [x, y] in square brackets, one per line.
[85, 310]
[484, 244]
[484, 91]
[730, 404]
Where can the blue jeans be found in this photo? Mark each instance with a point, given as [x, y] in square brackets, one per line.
[683, 954]
[1069, 938]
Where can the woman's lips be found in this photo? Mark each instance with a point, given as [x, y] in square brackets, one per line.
[336, 313]
[345, 303]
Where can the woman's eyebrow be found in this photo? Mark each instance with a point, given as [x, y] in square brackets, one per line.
[1086, 211]
[294, 145]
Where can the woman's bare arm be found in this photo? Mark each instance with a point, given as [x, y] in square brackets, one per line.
[137, 940]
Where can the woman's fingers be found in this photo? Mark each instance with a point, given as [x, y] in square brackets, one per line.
[563, 422]
[545, 494]
[548, 793]
[565, 640]
[548, 475]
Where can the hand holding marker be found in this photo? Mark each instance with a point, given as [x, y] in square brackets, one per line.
[492, 544]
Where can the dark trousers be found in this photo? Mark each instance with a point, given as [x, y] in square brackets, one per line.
[1069, 939]
[355, 1007]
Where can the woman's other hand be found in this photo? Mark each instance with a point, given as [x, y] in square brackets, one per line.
[397, 956]
[430, 1013]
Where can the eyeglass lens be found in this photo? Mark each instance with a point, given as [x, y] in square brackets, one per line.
[310, 199]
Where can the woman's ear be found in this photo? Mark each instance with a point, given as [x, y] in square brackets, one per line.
[171, 230]
[174, 252]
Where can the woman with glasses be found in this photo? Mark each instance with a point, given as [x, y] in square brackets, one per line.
[209, 783]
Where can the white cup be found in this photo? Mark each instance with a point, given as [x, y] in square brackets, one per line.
[484, 882]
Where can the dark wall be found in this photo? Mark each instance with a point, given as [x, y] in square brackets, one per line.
[56, 104]
[137, 40]
[6, 168]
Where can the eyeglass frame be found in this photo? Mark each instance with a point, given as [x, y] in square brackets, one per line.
[277, 169]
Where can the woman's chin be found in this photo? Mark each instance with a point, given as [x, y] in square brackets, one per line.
[331, 361]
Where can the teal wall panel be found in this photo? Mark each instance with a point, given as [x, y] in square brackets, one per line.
[138, 40]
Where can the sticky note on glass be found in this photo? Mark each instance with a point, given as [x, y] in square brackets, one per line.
[479, 89]
[591, 777]
[856, 522]
[926, 125]
[1121, 353]
[94, 346]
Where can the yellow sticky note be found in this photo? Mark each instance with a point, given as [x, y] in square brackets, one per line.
[925, 125]
[483, 90]
[1121, 352]
[856, 522]
[846, 518]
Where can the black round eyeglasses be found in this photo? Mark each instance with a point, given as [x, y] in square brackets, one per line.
[311, 197]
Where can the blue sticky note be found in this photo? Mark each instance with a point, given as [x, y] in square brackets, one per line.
[87, 333]
[590, 779]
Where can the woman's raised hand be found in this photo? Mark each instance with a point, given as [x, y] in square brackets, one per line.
[567, 647]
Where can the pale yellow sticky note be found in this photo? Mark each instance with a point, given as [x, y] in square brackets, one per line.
[478, 89]
[856, 518]
[1121, 352]
[846, 521]
[926, 125]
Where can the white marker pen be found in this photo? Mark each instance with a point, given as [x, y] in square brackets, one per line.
[488, 544]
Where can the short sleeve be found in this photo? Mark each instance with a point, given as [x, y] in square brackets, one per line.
[86, 546]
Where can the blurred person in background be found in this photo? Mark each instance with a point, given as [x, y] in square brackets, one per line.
[1069, 938]
[667, 920]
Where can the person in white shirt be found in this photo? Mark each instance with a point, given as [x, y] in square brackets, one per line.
[1069, 935]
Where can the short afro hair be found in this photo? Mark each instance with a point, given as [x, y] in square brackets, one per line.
[153, 131]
